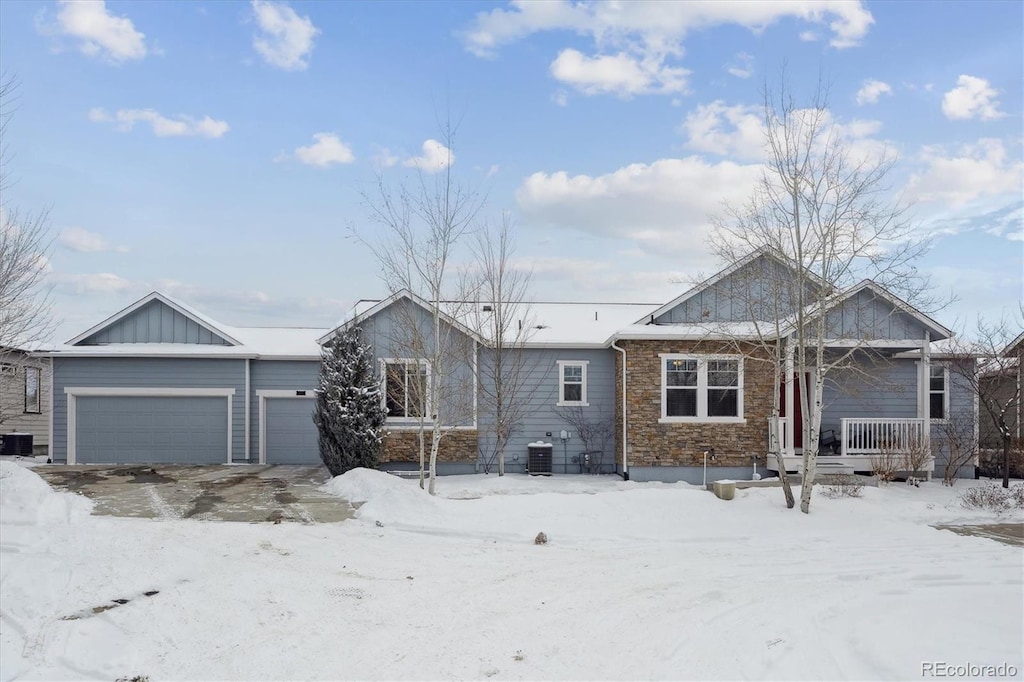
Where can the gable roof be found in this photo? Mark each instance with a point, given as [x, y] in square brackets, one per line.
[357, 316]
[764, 252]
[194, 315]
[881, 292]
[1012, 347]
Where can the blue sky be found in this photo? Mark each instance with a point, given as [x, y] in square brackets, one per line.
[220, 152]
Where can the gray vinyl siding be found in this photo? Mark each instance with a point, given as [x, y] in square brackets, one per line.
[13, 417]
[763, 289]
[155, 322]
[963, 417]
[541, 416]
[125, 372]
[402, 328]
[286, 375]
[877, 388]
[866, 316]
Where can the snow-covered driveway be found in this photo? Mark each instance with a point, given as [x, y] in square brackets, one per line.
[637, 581]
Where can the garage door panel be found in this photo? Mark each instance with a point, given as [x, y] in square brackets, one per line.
[291, 435]
[151, 430]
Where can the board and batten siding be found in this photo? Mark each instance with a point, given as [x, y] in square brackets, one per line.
[277, 375]
[127, 372]
[868, 316]
[386, 332]
[542, 415]
[155, 322]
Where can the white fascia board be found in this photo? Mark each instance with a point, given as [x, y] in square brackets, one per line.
[155, 296]
[148, 391]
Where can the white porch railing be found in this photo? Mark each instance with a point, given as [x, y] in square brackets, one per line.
[860, 437]
[875, 436]
[779, 427]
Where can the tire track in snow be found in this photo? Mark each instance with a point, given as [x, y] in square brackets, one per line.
[160, 506]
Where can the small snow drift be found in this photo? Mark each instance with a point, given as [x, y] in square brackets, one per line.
[28, 500]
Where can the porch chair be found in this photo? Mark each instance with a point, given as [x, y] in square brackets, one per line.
[828, 441]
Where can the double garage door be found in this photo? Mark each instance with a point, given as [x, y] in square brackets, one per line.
[151, 430]
[187, 430]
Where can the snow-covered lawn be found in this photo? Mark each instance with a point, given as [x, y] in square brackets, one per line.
[637, 581]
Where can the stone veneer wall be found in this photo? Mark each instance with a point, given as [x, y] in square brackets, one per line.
[653, 444]
[456, 446]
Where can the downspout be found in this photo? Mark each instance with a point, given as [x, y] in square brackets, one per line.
[625, 462]
[248, 457]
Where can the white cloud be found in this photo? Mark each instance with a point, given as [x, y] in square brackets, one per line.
[285, 39]
[971, 98]
[637, 44]
[553, 276]
[326, 149]
[436, 157]
[977, 170]
[84, 241]
[871, 90]
[809, 36]
[98, 32]
[742, 66]
[91, 283]
[561, 98]
[662, 206]
[725, 130]
[383, 158]
[162, 126]
[620, 74]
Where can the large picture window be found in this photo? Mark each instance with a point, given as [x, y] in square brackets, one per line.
[406, 388]
[33, 403]
[701, 388]
[572, 382]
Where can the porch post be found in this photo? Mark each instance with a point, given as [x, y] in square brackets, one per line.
[924, 402]
[790, 449]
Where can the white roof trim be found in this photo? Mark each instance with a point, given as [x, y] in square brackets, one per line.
[387, 302]
[722, 274]
[203, 321]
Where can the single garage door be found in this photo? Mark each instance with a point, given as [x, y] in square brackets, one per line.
[290, 432]
[151, 430]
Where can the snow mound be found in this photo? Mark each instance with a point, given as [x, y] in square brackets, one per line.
[384, 498]
[363, 485]
[27, 500]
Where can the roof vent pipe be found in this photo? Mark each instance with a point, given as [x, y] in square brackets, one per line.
[487, 308]
[652, 318]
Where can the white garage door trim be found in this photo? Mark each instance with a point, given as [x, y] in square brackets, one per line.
[89, 391]
[263, 394]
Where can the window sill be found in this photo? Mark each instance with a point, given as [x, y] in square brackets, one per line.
[702, 420]
[572, 404]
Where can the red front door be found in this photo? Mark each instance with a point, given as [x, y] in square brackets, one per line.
[798, 422]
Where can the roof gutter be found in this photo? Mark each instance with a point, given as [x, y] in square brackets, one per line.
[625, 462]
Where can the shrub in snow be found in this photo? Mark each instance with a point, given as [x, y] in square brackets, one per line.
[349, 411]
[841, 485]
[541, 539]
[994, 497]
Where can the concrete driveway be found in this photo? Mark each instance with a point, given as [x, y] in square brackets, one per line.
[213, 493]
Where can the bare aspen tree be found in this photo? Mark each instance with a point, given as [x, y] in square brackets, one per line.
[26, 320]
[422, 226]
[501, 315]
[990, 366]
[824, 206]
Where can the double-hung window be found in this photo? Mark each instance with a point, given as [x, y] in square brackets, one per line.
[33, 402]
[938, 392]
[406, 388]
[698, 388]
[572, 382]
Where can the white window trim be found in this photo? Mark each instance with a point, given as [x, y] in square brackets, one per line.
[39, 390]
[74, 392]
[562, 402]
[263, 394]
[702, 390]
[384, 362]
[945, 394]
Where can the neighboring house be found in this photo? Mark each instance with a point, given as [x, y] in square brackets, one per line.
[1004, 386]
[25, 396]
[159, 382]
